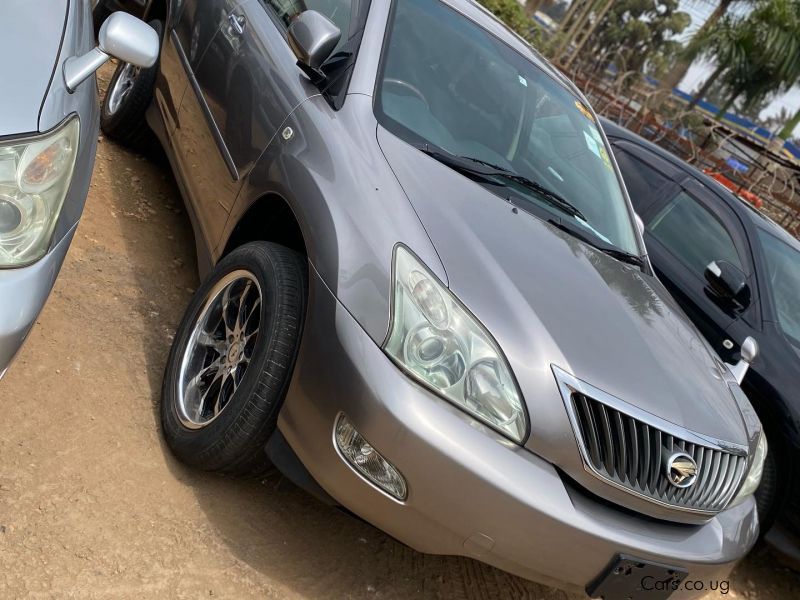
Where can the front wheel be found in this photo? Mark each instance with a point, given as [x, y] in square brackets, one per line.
[232, 359]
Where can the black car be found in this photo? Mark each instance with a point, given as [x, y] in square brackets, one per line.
[736, 274]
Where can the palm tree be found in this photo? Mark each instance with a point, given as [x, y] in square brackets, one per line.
[790, 126]
[729, 44]
[756, 55]
[678, 72]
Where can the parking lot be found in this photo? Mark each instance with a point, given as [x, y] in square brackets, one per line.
[93, 506]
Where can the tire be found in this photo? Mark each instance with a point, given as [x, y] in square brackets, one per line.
[122, 116]
[229, 434]
[767, 494]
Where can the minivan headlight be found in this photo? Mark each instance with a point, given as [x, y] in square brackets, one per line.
[753, 478]
[35, 174]
[440, 344]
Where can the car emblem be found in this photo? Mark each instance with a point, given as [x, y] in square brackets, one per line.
[681, 470]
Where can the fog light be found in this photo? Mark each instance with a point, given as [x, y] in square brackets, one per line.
[367, 461]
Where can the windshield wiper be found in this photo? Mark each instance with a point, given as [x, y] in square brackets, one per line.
[487, 172]
[587, 237]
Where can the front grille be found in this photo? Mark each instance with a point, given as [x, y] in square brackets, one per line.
[631, 454]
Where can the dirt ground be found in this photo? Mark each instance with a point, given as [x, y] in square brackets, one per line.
[92, 505]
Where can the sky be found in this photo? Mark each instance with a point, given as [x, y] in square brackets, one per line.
[699, 11]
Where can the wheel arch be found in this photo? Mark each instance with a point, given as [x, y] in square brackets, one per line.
[270, 218]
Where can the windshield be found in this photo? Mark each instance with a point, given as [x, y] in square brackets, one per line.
[783, 277]
[446, 81]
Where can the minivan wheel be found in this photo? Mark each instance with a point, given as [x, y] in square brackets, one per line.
[122, 116]
[232, 359]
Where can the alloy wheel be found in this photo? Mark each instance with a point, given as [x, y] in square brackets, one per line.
[219, 349]
[122, 87]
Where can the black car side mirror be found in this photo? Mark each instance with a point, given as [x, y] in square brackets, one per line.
[312, 38]
[728, 282]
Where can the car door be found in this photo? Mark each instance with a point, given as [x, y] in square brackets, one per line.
[245, 85]
[684, 233]
[193, 26]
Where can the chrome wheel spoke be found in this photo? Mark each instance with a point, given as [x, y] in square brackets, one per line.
[197, 391]
[122, 87]
[206, 339]
[256, 309]
[222, 400]
[240, 324]
[220, 349]
[226, 309]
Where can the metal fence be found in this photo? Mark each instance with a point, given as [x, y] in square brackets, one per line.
[750, 168]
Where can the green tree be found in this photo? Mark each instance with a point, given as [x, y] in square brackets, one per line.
[639, 30]
[757, 55]
[790, 126]
[694, 48]
[513, 15]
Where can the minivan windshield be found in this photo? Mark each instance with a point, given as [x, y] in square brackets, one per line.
[783, 277]
[448, 83]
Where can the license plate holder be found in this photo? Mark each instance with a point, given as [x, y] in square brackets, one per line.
[631, 578]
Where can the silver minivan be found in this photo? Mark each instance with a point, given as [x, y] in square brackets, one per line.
[426, 298]
[48, 137]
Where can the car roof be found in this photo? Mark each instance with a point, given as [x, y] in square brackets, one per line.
[745, 211]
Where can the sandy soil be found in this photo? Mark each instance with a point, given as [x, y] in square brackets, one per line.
[92, 505]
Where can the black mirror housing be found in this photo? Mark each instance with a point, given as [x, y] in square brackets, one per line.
[728, 282]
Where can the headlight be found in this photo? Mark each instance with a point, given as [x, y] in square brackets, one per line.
[34, 178]
[439, 343]
[753, 478]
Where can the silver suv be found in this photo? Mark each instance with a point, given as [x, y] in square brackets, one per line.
[426, 298]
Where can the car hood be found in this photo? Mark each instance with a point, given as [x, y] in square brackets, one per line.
[30, 38]
[550, 299]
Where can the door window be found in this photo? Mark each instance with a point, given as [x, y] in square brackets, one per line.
[642, 181]
[693, 234]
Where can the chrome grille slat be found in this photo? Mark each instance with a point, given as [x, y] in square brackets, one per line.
[645, 468]
[589, 430]
[633, 472]
[632, 454]
[622, 443]
[655, 459]
[608, 443]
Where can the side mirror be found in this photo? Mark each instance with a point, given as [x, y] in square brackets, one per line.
[728, 282]
[122, 36]
[639, 223]
[312, 38]
[749, 352]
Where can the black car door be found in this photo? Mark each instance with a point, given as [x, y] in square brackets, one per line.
[684, 233]
[687, 227]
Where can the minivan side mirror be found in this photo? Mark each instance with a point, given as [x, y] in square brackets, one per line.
[749, 352]
[727, 281]
[122, 36]
[312, 38]
[639, 223]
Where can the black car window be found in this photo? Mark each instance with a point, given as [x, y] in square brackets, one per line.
[642, 181]
[693, 234]
[783, 274]
[338, 11]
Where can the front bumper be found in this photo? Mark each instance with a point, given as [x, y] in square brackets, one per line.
[23, 293]
[470, 492]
